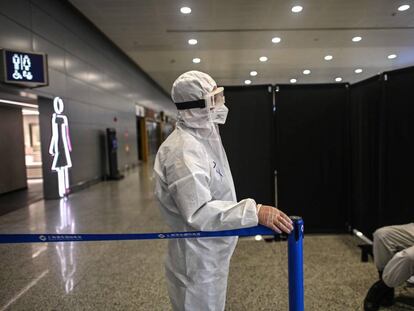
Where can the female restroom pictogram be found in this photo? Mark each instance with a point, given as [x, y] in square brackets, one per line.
[60, 146]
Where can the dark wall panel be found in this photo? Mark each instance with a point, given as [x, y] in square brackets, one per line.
[153, 137]
[312, 154]
[365, 99]
[247, 138]
[12, 157]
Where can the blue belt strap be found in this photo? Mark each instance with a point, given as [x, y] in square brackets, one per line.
[41, 238]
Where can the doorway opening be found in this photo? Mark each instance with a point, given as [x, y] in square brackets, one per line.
[20, 153]
[33, 154]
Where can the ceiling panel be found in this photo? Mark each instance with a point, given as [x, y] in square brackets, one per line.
[233, 34]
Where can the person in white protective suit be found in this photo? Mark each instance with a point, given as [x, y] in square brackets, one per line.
[195, 188]
[394, 257]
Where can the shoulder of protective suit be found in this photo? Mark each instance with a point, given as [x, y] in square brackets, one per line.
[181, 147]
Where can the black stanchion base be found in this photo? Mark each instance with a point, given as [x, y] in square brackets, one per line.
[276, 238]
[366, 250]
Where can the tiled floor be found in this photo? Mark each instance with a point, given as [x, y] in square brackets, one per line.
[129, 275]
[17, 199]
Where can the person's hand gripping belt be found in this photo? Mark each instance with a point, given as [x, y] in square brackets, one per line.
[274, 219]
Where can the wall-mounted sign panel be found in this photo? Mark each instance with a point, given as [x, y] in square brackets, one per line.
[24, 68]
[139, 111]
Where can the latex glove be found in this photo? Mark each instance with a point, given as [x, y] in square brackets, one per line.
[274, 219]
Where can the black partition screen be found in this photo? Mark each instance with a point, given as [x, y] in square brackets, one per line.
[247, 138]
[397, 148]
[312, 154]
[382, 130]
[344, 155]
[365, 99]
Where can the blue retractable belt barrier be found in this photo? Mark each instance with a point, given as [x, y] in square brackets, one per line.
[295, 263]
[295, 250]
[42, 238]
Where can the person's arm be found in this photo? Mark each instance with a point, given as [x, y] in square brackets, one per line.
[188, 178]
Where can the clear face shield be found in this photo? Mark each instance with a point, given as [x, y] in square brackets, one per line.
[213, 101]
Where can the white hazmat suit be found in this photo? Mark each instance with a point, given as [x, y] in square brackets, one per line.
[195, 188]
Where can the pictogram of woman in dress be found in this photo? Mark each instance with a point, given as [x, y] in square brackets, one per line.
[60, 146]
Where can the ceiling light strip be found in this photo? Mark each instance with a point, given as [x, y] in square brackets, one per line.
[12, 102]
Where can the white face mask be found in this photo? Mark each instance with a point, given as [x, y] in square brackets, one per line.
[219, 114]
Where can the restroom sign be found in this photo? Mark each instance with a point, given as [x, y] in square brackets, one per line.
[60, 147]
[24, 68]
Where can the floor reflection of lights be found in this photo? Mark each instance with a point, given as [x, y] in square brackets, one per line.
[24, 290]
[40, 250]
[65, 249]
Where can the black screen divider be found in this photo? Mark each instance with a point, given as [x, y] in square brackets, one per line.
[247, 139]
[365, 99]
[397, 148]
[311, 151]
[344, 154]
[383, 151]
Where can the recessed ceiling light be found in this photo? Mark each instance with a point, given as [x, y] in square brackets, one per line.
[293, 80]
[297, 9]
[253, 73]
[359, 70]
[338, 79]
[276, 39]
[185, 10]
[263, 59]
[392, 56]
[192, 41]
[328, 57]
[403, 7]
[247, 81]
[306, 72]
[356, 39]
[196, 60]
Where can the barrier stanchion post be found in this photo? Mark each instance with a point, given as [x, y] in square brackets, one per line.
[295, 263]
